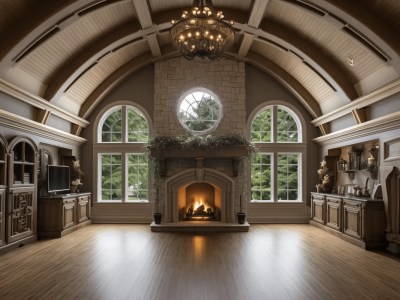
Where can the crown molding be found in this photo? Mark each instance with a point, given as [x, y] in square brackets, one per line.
[41, 103]
[375, 126]
[376, 96]
[19, 123]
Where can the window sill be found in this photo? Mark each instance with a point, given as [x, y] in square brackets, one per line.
[120, 202]
[278, 204]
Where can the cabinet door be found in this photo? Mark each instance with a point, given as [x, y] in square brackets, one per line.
[83, 210]
[352, 218]
[334, 213]
[318, 208]
[69, 213]
[21, 213]
[2, 218]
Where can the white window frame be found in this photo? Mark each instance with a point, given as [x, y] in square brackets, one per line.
[202, 90]
[274, 148]
[123, 148]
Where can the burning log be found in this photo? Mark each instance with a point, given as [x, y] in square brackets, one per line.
[199, 210]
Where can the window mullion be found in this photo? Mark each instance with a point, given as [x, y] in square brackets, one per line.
[274, 123]
[124, 124]
[274, 177]
[124, 176]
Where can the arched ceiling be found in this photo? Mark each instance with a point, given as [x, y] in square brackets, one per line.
[72, 52]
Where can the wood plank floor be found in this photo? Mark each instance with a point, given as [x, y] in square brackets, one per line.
[130, 262]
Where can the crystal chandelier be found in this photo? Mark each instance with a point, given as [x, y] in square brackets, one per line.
[202, 32]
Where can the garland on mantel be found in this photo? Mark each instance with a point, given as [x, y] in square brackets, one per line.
[160, 144]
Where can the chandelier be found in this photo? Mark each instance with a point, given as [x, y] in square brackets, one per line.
[202, 32]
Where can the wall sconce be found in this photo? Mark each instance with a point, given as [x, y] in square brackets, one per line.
[341, 167]
[354, 160]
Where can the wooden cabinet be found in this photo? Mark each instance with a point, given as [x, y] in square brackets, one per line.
[62, 214]
[21, 217]
[2, 217]
[3, 186]
[18, 182]
[360, 221]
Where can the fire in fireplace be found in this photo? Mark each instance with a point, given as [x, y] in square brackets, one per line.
[200, 203]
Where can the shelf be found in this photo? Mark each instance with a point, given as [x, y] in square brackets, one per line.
[27, 163]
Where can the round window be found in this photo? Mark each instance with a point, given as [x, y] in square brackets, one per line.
[199, 111]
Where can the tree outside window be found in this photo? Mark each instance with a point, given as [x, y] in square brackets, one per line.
[276, 168]
[123, 172]
[199, 111]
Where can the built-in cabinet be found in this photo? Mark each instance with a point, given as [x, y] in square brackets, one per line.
[360, 221]
[62, 214]
[22, 182]
[3, 186]
[18, 169]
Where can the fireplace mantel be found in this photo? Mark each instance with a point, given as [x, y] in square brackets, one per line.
[233, 152]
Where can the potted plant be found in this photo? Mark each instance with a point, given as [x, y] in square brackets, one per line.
[241, 215]
[157, 216]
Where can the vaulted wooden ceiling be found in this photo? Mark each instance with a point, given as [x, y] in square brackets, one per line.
[71, 52]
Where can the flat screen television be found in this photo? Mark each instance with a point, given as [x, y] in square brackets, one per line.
[58, 178]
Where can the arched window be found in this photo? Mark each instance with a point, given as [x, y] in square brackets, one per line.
[123, 171]
[276, 168]
[123, 124]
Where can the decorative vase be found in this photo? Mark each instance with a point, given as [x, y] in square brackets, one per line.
[241, 217]
[157, 218]
[74, 188]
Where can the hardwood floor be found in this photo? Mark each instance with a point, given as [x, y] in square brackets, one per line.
[130, 262]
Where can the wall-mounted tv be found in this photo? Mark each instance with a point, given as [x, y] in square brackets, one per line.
[58, 178]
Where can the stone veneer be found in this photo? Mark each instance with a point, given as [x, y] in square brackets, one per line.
[226, 79]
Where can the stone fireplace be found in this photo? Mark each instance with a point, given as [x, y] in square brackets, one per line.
[221, 174]
[201, 189]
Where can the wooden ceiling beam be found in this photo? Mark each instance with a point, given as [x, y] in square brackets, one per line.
[73, 66]
[368, 23]
[246, 43]
[257, 12]
[111, 81]
[154, 45]
[333, 71]
[360, 115]
[143, 13]
[268, 66]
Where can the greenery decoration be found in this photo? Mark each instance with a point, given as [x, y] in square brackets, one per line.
[156, 146]
[160, 144]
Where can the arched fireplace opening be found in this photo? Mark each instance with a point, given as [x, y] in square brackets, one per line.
[199, 201]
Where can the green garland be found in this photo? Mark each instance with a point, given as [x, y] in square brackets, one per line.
[156, 146]
[160, 144]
